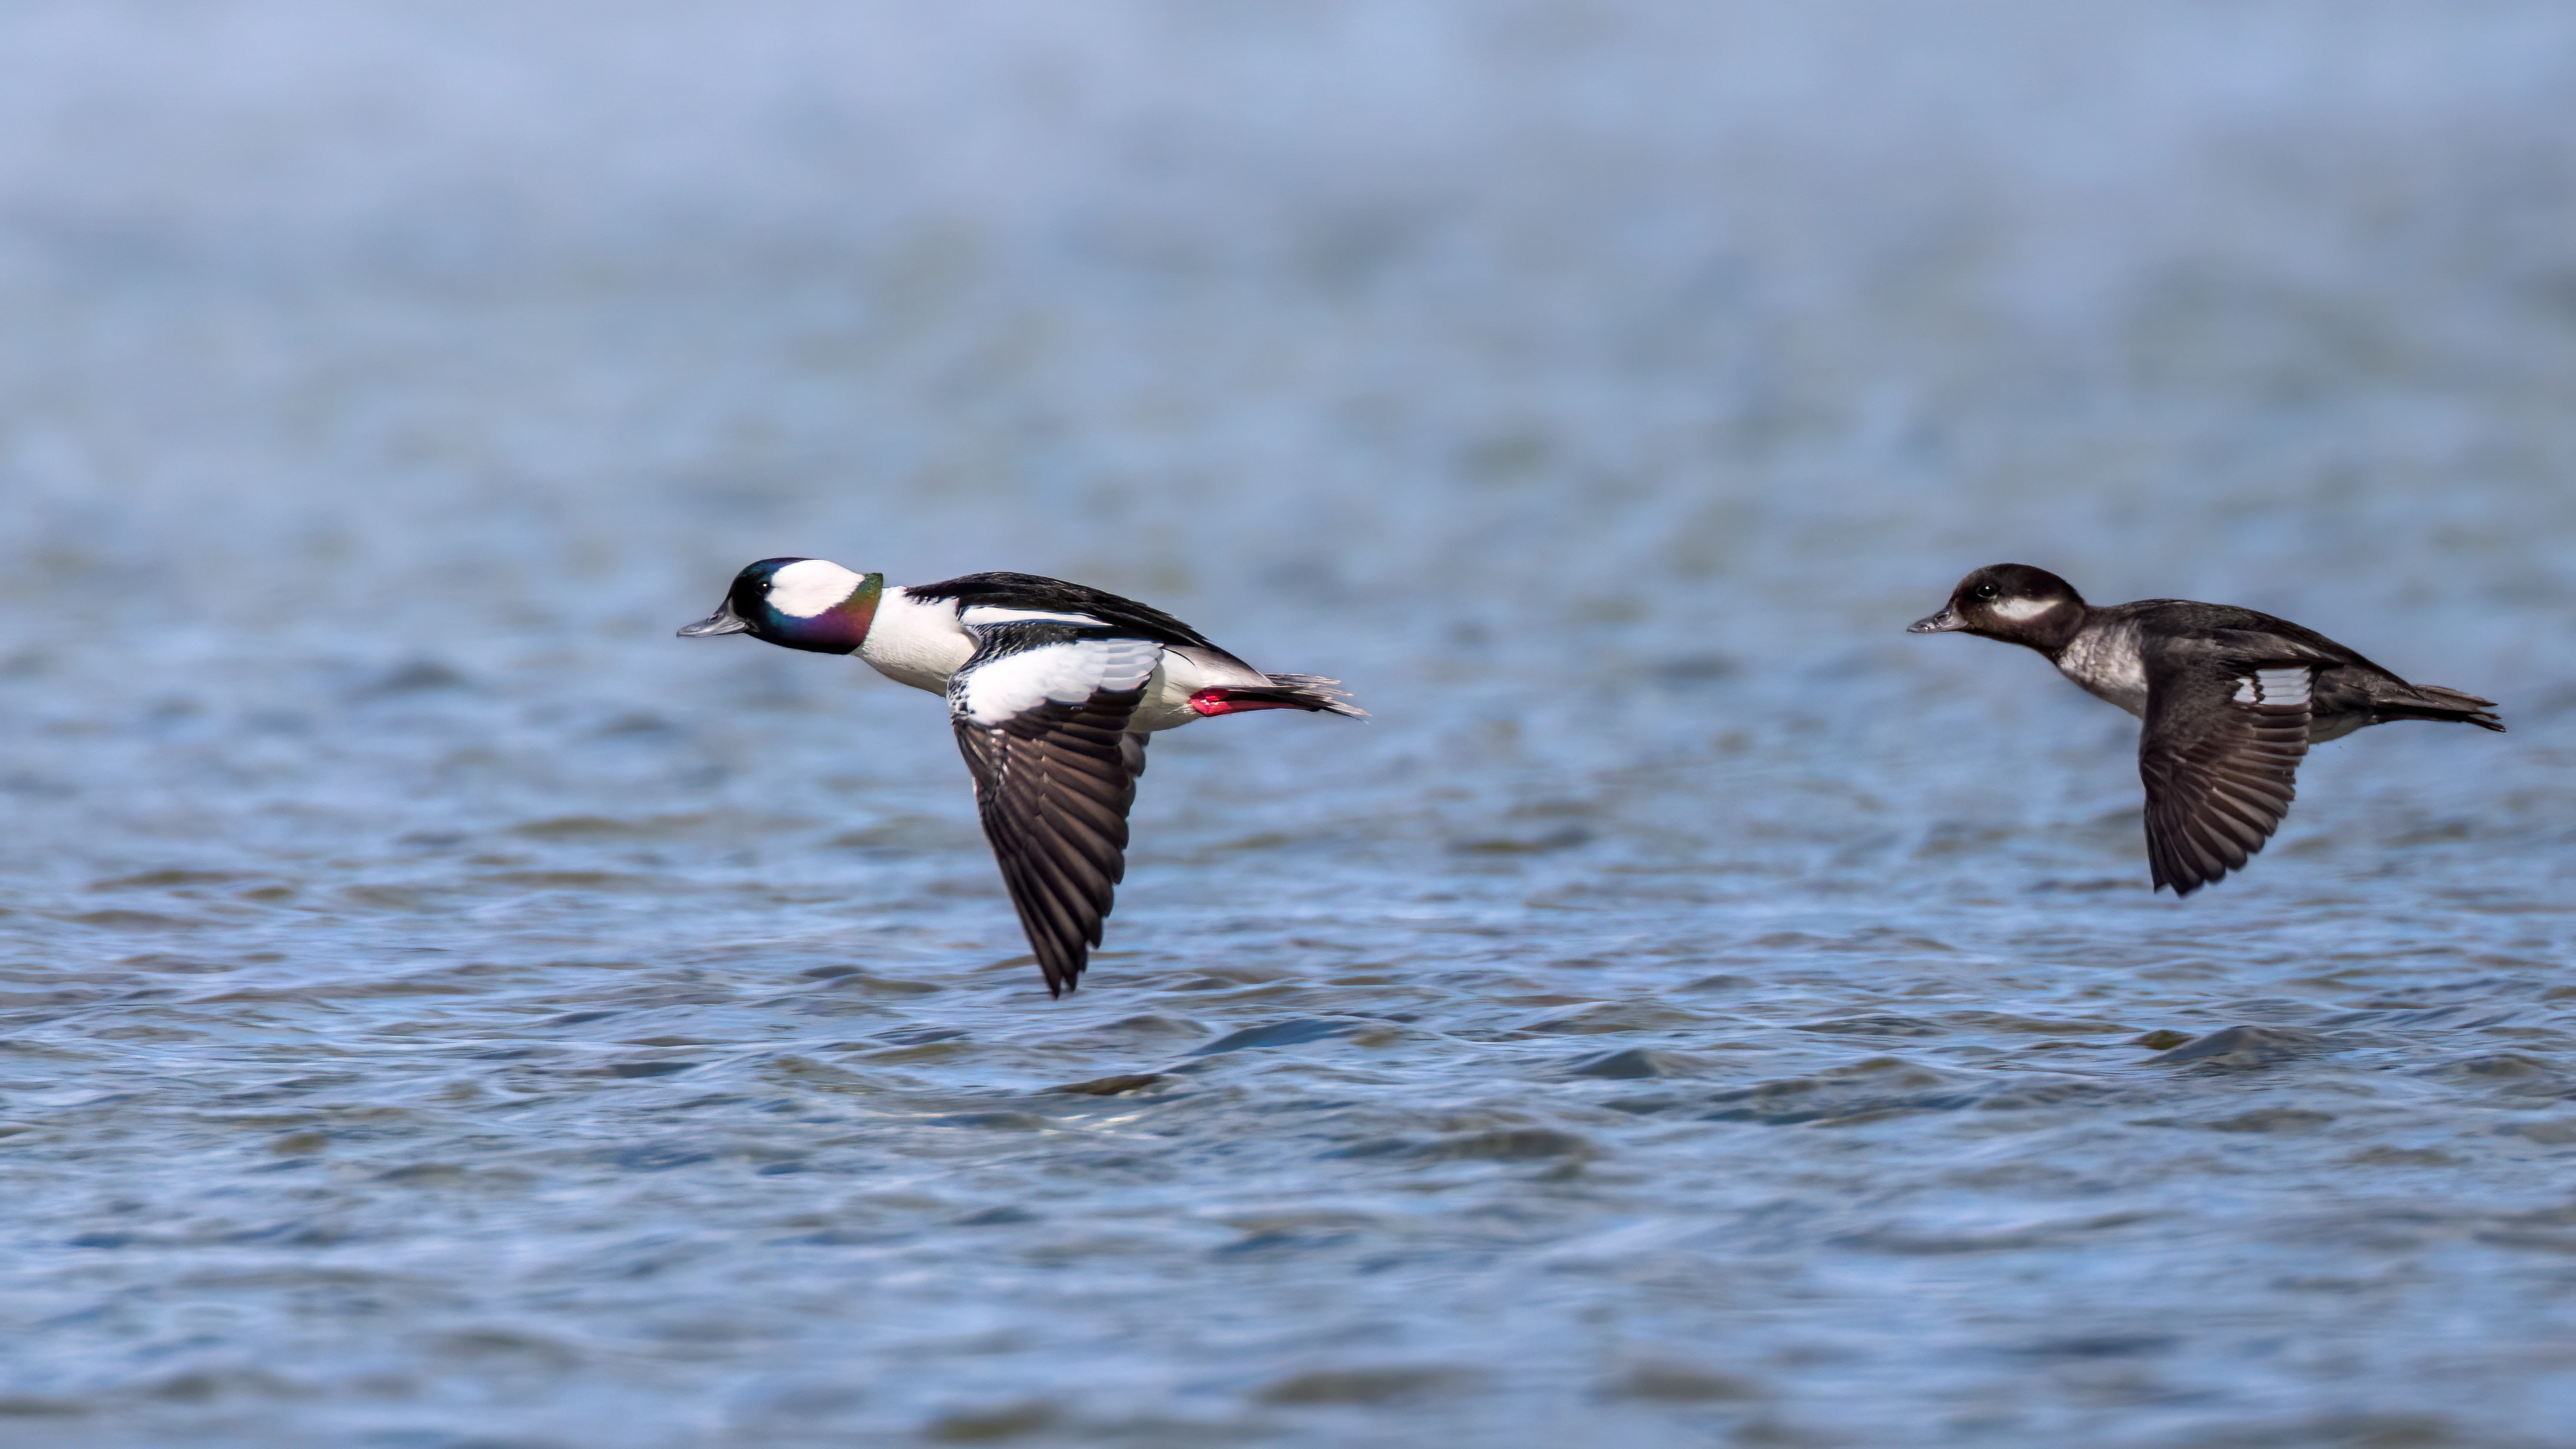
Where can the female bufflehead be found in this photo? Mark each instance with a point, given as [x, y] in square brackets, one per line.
[1052, 688]
[2231, 698]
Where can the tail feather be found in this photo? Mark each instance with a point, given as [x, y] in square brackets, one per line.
[2450, 706]
[1300, 691]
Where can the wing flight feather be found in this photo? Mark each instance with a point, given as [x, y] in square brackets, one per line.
[2220, 753]
[1041, 714]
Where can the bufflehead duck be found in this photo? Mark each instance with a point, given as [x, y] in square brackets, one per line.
[1052, 689]
[2232, 700]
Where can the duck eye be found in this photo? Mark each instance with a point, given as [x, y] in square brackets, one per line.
[1987, 591]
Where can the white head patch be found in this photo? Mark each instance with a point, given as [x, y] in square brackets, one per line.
[808, 586]
[2020, 610]
[2286, 687]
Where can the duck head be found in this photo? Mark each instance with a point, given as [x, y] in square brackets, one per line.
[800, 603]
[2012, 602]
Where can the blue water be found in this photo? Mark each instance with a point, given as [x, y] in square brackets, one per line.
[443, 1009]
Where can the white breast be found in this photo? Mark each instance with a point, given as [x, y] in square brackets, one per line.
[2107, 664]
[917, 641]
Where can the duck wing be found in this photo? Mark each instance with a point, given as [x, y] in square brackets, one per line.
[1041, 711]
[2219, 753]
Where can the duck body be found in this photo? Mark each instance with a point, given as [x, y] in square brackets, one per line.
[927, 633]
[1052, 688]
[2231, 700]
[2109, 659]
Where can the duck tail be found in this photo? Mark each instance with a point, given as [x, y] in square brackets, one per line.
[2450, 706]
[1315, 692]
[1285, 691]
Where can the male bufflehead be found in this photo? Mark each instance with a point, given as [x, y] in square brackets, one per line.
[2231, 698]
[1052, 688]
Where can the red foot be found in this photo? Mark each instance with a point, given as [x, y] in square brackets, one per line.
[1218, 701]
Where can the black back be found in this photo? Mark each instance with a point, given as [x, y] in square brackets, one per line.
[1033, 591]
[2238, 634]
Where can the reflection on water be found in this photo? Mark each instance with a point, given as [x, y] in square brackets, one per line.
[443, 1009]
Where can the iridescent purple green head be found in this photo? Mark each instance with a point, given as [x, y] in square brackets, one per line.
[802, 603]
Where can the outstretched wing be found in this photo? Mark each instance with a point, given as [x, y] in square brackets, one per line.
[1041, 713]
[2219, 753]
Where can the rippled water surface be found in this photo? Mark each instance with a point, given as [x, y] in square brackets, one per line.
[441, 1008]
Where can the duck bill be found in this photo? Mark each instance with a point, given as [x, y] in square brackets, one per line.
[1947, 621]
[723, 621]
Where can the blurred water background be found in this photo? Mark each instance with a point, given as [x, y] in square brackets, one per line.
[443, 1009]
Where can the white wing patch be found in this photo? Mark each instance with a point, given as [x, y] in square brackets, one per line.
[2274, 686]
[808, 586]
[2021, 610]
[1066, 673]
[980, 614]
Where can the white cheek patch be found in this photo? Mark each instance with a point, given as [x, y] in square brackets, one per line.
[980, 614]
[1067, 673]
[2021, 611]
[2287, 687]
[807, 587]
